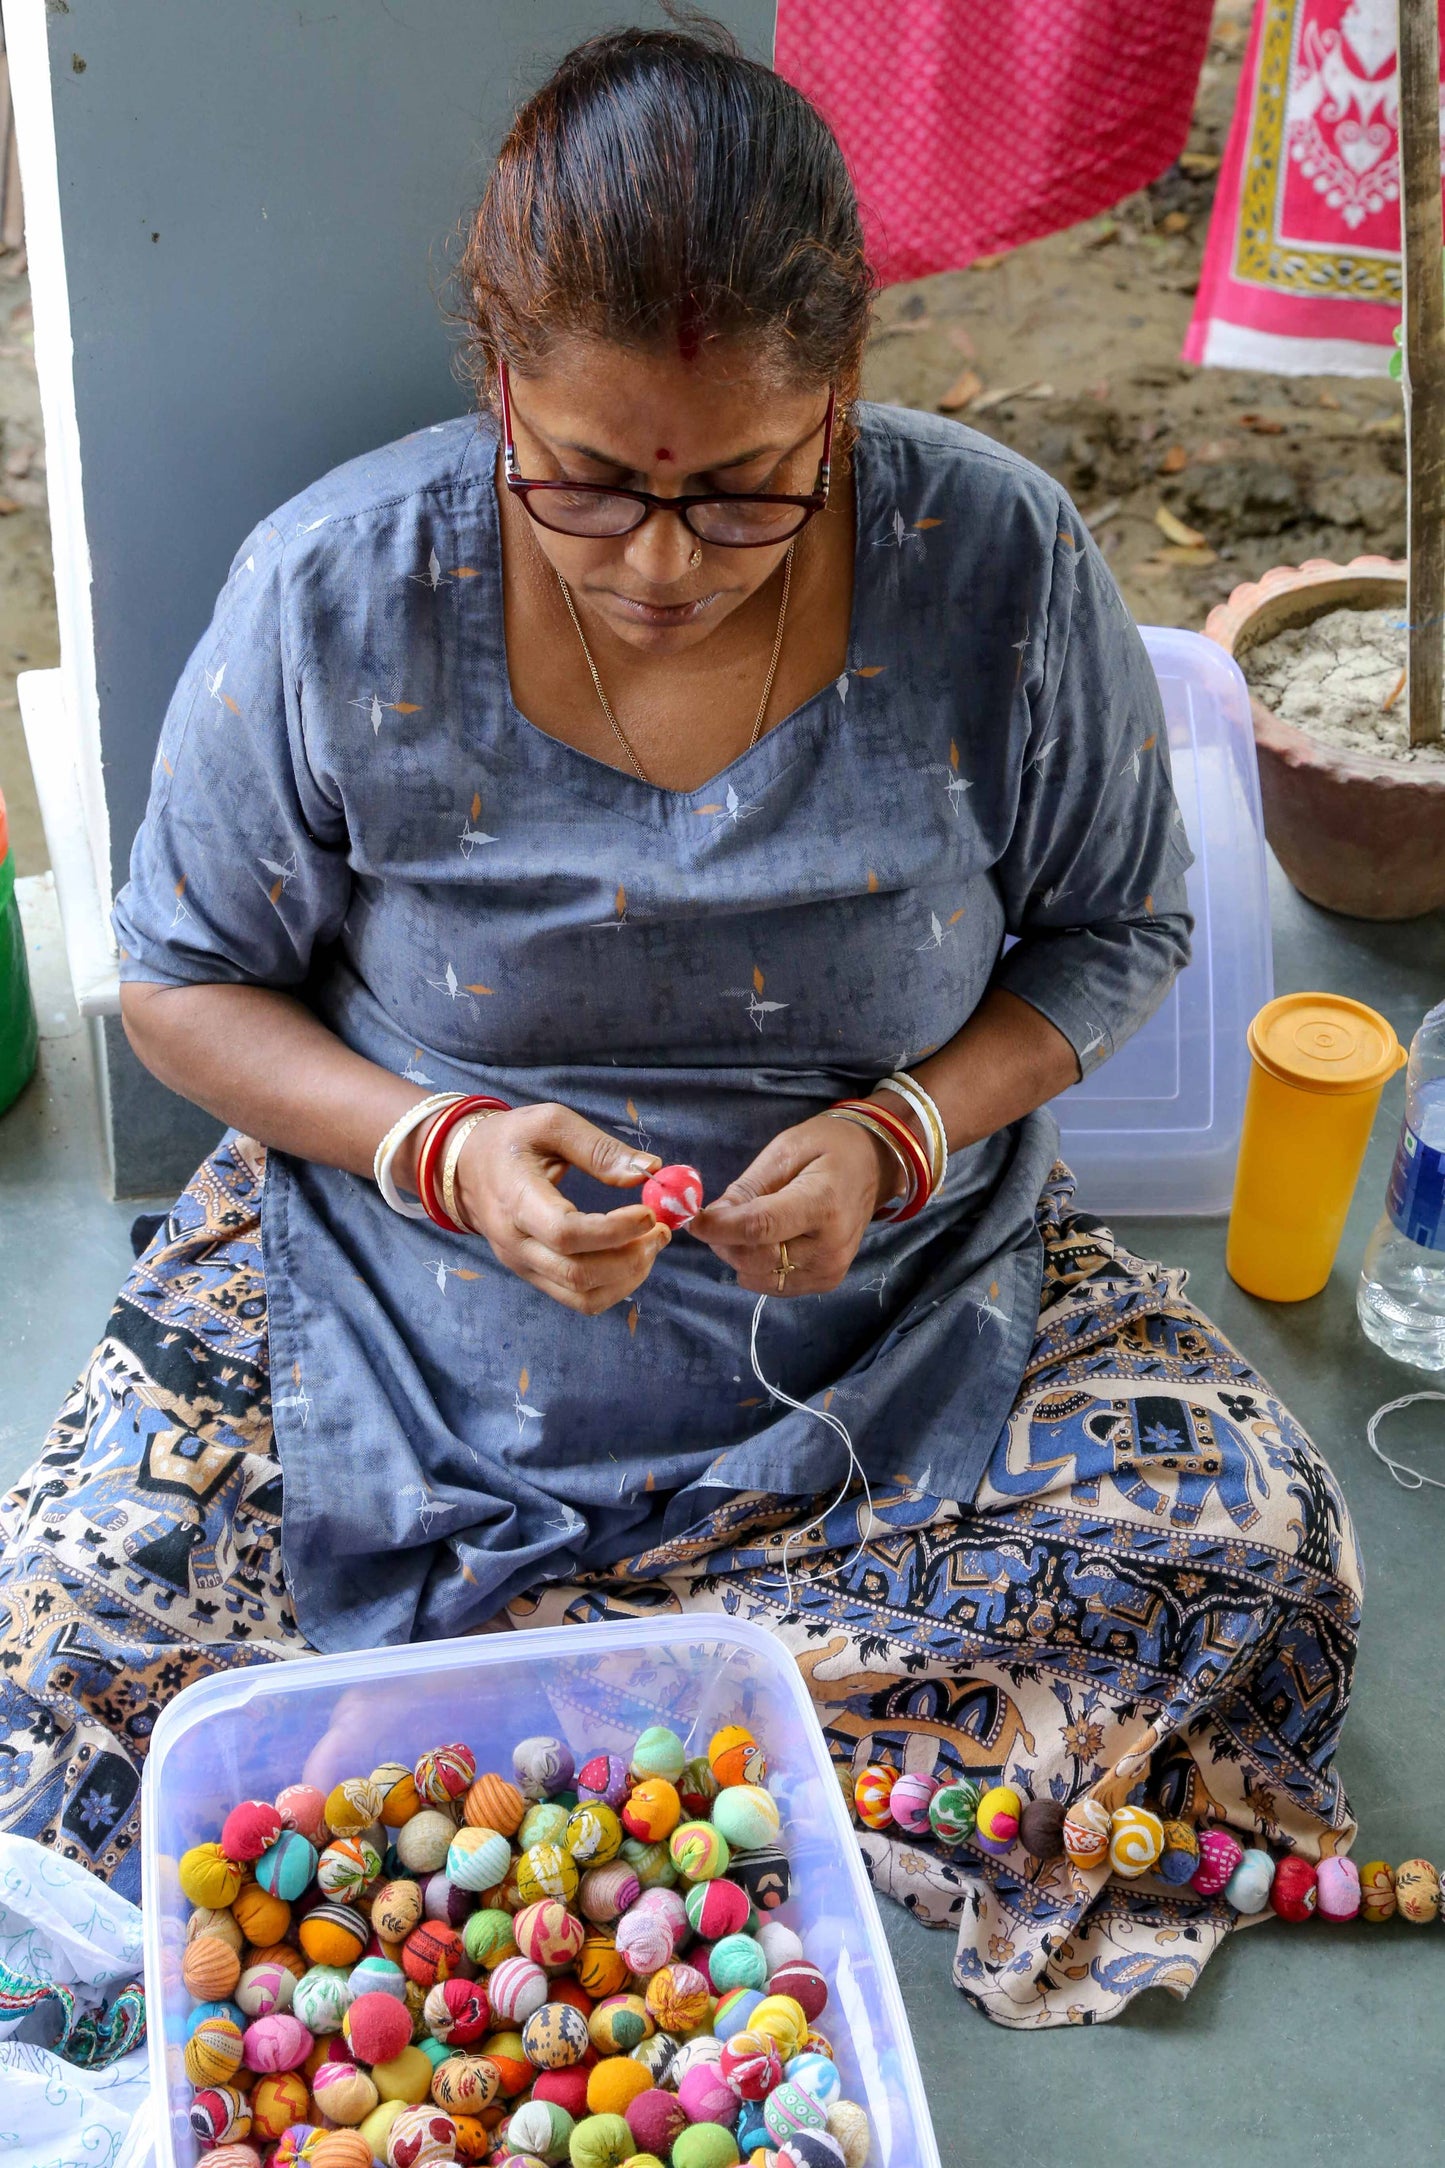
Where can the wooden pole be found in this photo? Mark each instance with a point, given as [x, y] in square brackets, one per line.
[1424, 373]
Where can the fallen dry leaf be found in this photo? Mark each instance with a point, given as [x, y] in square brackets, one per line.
[1262, 425]
[1192, 553]
[1175, 460]
[992, 399]
[1174, 530]
[962, 392]
[1199, 163]
[988, 263]
[1174, 222]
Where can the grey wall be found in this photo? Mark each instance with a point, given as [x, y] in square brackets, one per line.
[256, 196]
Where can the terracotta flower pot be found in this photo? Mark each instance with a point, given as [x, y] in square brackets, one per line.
[1357, 834]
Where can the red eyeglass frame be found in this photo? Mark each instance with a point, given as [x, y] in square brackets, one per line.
[814, 502]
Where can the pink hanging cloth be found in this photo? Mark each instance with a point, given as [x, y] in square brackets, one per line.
[974, 125]
[1302, 269]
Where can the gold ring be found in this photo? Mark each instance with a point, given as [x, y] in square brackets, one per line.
[784, 1268]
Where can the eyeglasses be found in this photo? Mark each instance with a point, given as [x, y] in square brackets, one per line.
[596, 510]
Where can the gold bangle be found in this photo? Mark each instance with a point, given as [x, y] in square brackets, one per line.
[450, 1160]
[860, 1120]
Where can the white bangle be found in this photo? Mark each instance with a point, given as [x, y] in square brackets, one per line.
[911, 1092]
[395, 1137]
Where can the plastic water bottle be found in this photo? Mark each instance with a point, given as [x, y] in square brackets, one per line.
[1401, 1300]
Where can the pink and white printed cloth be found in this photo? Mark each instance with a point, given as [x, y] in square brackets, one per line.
[1302, 269]
[970, 128]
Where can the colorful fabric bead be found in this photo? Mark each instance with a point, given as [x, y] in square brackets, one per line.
[1293, 1891]
[910, 1799]
[717, 1908]
[494, 1803]
[343, 2092]
[783, 2020]
[593, 1834]
[432, 1952]
[477, 1857]
[466, 2084]
[1136, 1838]
[734, 2010]
[1086, 1832]
[396, 1786]
[456, 2012]
[849, 2124]
[1417, 1891]
[545, 1870]
[600, 2141]
[207, 1877]
[873, 1793]
[549, 1934]
[699, 1850]
[697, 1788]
[376, 2027]
[541, 1766]
[322, 1997]
[1338, 1888]
[678, 1998]
[265, 1987]
[766, 1876]
[347, 1867]
[1179, 1860]
[214, 2051]
[614, 2083]
[658, 1752]
[997, 1825]
[736, 1961]
[788, 2108]
[262, 1918]
[804, 1983]
[619, 2024]
[419, 2137]
[1377, 1890]
[219, 2113]
[745, 1816]
[605, 1893]
[751, 2064]
[603, 1777]
[376, 1975]
[555, 2036]
[423, 1842]
[705, 2145]
[517, 1987]
[445, 1773]
[952, 1811]
[210, 1969]
[286, 1867]
[1041, 1829]
[249, 1830]
[351, 1806]
[395, 1910]
[1219, 1854]
[651, 1863]
[303, 1807]
[652, 1810]
[706, 2095]
[817, 2075]
[1249, 1886]
[541, 2128]
[543, 1823]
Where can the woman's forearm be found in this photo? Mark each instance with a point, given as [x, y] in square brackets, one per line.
[1007, 1060]
[261, 1062]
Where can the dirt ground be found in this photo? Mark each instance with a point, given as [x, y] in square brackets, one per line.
[1074, 342]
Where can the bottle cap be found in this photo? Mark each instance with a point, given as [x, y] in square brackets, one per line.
[1325, 1043]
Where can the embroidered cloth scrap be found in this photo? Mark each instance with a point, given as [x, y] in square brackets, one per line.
[970, 129]
[1302, 269]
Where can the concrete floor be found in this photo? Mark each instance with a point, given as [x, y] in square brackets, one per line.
[1299, 2046]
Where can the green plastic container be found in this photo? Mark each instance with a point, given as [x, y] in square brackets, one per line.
[19, 1038]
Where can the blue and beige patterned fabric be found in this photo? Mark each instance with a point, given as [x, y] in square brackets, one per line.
[1156, 1586]
[348, 803]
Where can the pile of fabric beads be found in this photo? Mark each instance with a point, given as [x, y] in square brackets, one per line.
[579, 1964]
[1133, 1841]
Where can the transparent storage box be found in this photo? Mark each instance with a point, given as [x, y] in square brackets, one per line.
[1156, 1129]
[243, 1734]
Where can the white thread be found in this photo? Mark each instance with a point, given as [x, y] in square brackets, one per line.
[1407, 1477]
[855, 1466]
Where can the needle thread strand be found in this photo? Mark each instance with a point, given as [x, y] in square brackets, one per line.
[855, 1468]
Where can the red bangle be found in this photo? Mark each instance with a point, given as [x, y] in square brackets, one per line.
[907, 1143]
[429, 1155]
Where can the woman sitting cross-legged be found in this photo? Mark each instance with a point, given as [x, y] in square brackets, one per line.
[661, 756]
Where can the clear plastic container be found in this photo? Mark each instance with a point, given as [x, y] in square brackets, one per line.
[243, 1734]
[1156, 1129]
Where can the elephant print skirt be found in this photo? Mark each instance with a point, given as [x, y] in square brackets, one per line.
[1155, 1595]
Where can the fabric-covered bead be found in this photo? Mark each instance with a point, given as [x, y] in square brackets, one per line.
[701, 2048]
[849, 2124]
[783, 2020]
[678, 1998]
[215, 1920]
[778, 1942]
[751, 2064]
[644, 1941]
[333, 1935]
[604, 1893]
[249, 1830]
[541, 2128]
[619, 2024]
[953, 1811]
[658, 1752]
[705, 2145]
[406, 2077]
[542, 1766]
[613, 2085]
[213, 2053]
[652, 1810]
[1417, 1891]
[347, 1867]
[655, 2118]
[657, 2054]
[804, 1983]
[669, 1906]
[736, 1961]
[302, 1807]
[766, 1876]
[809, 2149]
[603, 1778]
[697, 1788]
[488, 1937]
[382, 1975]
[1293, 1893]
[1136, 1838]
[322, 1997]
[505, 2049]
[395, 1909]
[1041, 1828]
[1086, 1832]
[423, 1842]
[238, 2155]
[601, 1968]
[276, 2103]
[700, 1850]
[465, 2084]
[494, 1803]
[748, 1817]
[210, 1968]
[333, 2149]
[549, 1934]
[457, 2012]
[286, 1867]
[478, 1858]
[996, 1826]
[707, 2096]
[378, 2124]
[220, 2112]
[517, 1987]
[1219, 1854]
[545, 1870]
[1249, 1886]
[432, 1952]
[421, 2136]
[593, 1834]
[376, 2027]
[544, 1823]
[344, 2093]
[726, 1750]
[447, 1901]
[205, 2011]
[207, 1877]
[265, 1987]
[600, 2141]
[1338, 1889]
[351, 1806]
[910, 1800]
[395, 1785]
[262, 1918]
[788, 2108]
[718, 1908]
[1377, 1890]
[1179, 1859]
[555, 2036]
[445, 1773]
[873, 1795]
[651, 1863]
[818, 2076]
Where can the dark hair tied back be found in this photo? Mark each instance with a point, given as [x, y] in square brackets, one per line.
[662, 187]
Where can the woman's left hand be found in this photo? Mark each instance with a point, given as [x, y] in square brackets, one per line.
[814, 1188]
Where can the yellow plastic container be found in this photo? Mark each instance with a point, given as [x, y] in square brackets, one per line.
[1320, 1062]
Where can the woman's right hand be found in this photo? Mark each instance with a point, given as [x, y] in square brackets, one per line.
[506, 1190]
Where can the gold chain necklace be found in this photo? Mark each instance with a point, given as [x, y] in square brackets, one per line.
[617, 730]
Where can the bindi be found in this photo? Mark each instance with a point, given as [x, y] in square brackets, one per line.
[662, 452]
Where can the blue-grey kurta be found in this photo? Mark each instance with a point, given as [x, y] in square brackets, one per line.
[348, 804]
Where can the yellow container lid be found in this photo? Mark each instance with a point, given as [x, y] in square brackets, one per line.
[1325, 1043]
